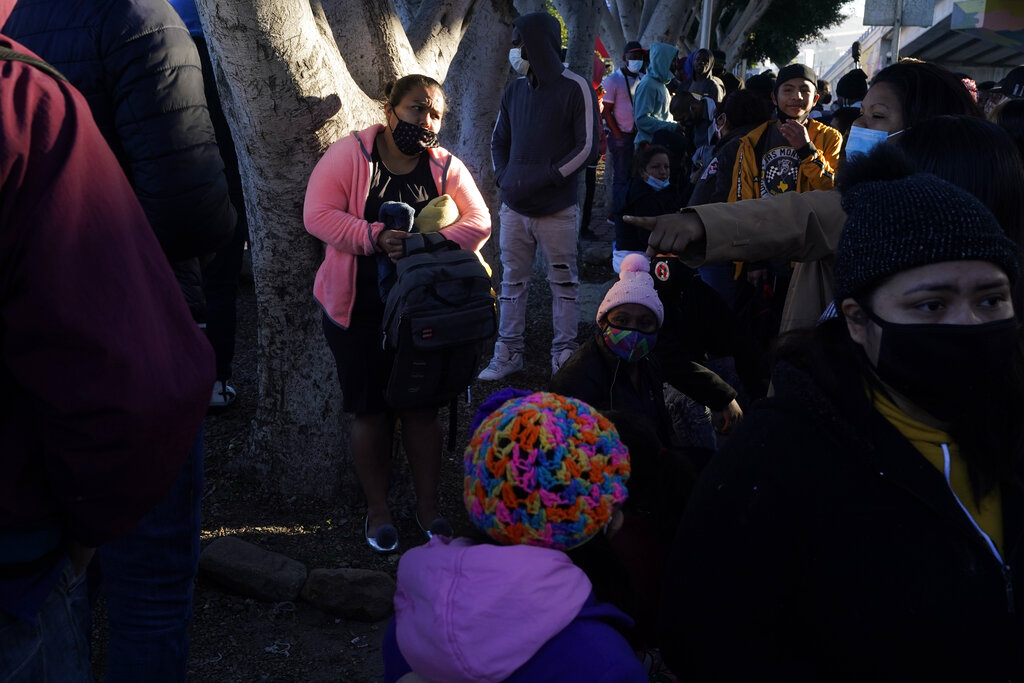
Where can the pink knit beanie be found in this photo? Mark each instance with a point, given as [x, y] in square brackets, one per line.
[635, 286]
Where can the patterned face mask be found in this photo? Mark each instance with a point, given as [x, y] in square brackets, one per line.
[411, 140]
[628, 344]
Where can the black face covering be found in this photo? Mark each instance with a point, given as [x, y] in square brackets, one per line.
[945, 369]
[411, 140]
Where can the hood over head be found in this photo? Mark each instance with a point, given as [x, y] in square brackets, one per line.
[542, 38]
[467, 612]
[662, 55]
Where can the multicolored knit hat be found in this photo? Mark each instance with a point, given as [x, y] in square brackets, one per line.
[544, 470]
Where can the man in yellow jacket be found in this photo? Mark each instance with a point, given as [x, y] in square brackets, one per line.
[791, 152]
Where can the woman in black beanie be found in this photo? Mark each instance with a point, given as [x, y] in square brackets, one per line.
[863, 523]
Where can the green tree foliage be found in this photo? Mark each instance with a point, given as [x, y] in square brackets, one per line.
[549, 6]
[779, 33]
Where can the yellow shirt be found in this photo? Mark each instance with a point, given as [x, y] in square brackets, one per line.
[987, 513]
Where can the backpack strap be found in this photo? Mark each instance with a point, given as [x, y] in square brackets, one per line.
[8, 53]
[418, 242]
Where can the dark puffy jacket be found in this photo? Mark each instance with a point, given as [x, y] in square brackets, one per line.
[140, 72]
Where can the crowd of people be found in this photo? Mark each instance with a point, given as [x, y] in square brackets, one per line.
[848, 506]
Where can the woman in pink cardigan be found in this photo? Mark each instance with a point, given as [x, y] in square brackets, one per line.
[396, 162]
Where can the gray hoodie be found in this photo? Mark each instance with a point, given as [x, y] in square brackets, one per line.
[547, 129]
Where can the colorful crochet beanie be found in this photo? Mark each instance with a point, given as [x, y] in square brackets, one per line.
[544, 470]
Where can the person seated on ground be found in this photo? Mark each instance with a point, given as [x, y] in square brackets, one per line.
[544, 474]
[804, 227]
[627, 569]
[698, 326]
[616, 370]
[862, 523]
[648, 193]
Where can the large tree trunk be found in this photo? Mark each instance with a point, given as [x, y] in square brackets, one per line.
[477, 78]
[288, 94]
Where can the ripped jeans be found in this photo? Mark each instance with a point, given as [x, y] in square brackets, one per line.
[519, 238]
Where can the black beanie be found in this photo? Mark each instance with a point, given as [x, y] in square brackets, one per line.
[792, 71]
[853, 85]
[895, 225]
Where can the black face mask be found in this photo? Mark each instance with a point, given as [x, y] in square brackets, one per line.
[945, 369]
[411, 140]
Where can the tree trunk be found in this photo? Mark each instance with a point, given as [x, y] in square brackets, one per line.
[477, 79]
[288, 94]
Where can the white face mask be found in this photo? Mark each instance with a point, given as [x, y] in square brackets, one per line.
[515, 57]
[657, 184]
[635, 65]
[863, 140]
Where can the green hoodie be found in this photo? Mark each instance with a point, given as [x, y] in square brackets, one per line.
[650, 104]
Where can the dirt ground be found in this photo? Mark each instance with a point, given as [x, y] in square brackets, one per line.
[237, 639]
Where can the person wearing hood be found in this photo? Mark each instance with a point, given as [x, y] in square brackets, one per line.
[864, 523]
[697, 76]
[544, 474]
[547, 132]
[104, 378]
[651, 103]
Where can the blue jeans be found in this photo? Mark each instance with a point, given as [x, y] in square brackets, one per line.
[56, 647]
[621, 152]
[148, 578]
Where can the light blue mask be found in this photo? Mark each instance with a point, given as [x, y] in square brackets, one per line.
[863, 140]
[657, 184]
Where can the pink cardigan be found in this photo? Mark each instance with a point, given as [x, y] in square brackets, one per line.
[334, 206]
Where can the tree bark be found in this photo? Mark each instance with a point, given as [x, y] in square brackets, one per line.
[663, 25]
[288, 94]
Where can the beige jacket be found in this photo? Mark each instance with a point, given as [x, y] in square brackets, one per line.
[799, 226]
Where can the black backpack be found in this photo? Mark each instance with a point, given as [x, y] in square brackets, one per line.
[438, 315]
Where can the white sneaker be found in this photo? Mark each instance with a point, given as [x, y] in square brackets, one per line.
[558, 359]
[504, 363]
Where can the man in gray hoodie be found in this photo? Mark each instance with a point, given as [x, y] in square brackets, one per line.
[547, 131]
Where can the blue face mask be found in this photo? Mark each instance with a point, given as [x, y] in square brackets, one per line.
[657, 184]
[863, 140]
[628, 344]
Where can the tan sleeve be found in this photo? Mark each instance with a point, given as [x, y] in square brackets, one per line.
[795, 226]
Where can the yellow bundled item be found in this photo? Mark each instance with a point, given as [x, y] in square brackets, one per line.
[439, 213]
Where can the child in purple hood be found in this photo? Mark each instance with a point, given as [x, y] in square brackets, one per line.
[544, 474]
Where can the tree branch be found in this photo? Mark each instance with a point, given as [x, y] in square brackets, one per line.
[384, 53]
[663, 24]
[611, 33]
[436, 31]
